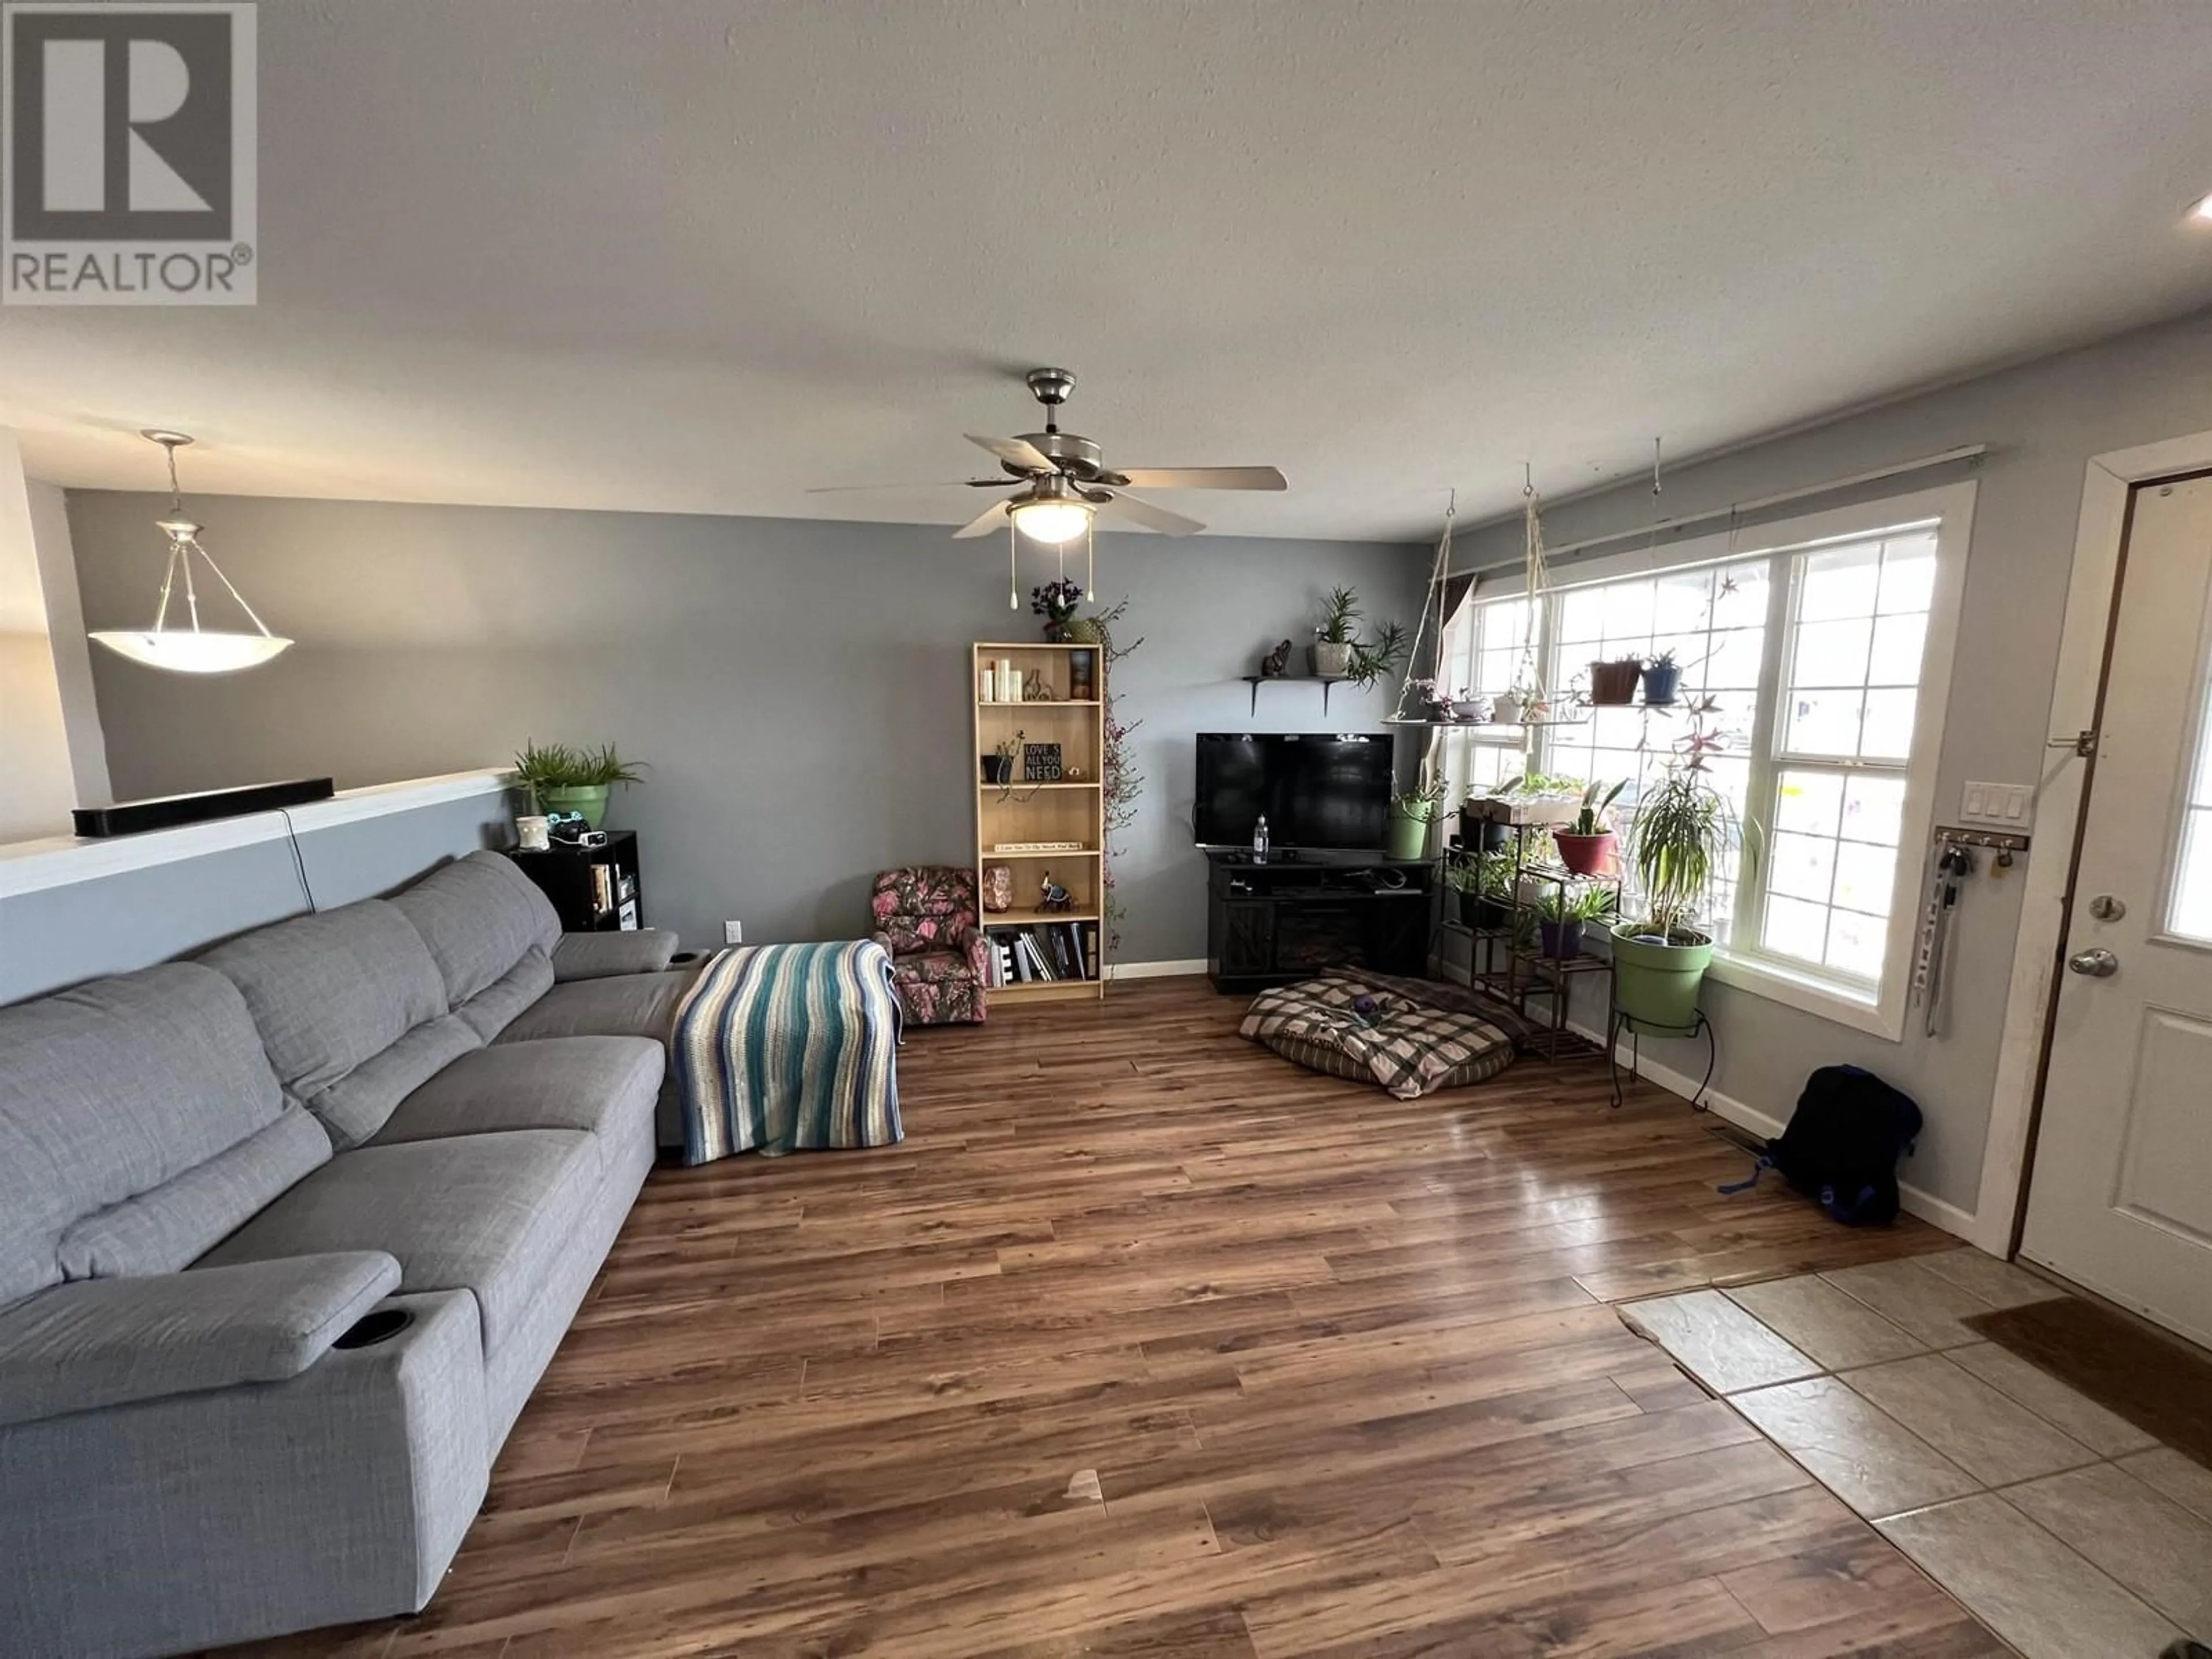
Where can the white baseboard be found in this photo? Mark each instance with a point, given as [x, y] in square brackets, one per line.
[1154, 970]
[1937, 1213]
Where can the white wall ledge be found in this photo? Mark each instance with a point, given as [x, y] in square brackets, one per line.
[30, 866]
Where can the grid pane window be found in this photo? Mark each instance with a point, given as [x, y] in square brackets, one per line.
[2191, 914]
[1805, 664]
[1858, 629]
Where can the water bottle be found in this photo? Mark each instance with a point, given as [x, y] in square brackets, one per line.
[1259, 840]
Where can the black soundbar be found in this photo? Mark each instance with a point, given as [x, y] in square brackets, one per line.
[130, 817]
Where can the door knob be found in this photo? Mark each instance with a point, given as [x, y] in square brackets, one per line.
[2097, 963]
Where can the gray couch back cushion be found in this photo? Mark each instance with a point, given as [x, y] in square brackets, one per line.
[351, 1009]
[480, 916]
[114, 1089]
[165, 1231]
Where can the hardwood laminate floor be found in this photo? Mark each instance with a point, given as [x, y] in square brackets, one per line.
[1147, 1343]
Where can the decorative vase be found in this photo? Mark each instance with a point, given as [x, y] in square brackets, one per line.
[1055, 632]
[1407, 838]
[1560, 939]
[1083, 630]
[1661, 682]
[1654, 984]
[589, 798]
[998, 770]
[1330, 661]
[1612, 684]
[997, 889]
[1587, 855]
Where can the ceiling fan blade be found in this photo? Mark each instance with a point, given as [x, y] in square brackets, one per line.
[984, 522]
[927, 483]
[1153, 518]
[1015, 451]
[1205, 478]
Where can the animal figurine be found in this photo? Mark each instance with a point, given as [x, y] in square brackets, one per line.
[1272, 665]
[1056, 897]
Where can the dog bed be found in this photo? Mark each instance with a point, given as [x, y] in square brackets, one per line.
[1371, 1029]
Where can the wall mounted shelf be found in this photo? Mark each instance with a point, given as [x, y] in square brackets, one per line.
[1325, 681]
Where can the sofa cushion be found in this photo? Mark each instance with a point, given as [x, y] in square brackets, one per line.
[479, 916]
[629, 1004]
[489, 1214]
[605, 1085]
[491, 1010]
[332, 992]
[355, 1107]
[114, 1088]
[162, 1230]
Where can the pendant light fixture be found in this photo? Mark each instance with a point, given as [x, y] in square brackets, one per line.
[193, 650]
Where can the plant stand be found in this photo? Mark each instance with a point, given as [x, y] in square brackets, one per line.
[1505, 962]
[1619, 1024]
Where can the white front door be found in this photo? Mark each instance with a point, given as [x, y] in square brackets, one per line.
[2121, 1198]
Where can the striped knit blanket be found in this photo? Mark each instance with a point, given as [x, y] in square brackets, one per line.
[789, 1047]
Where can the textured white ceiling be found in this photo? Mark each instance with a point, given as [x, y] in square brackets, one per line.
[679, 255]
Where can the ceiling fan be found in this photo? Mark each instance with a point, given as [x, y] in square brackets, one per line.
[1065, 482]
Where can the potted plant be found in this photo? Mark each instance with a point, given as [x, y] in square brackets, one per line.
[1055, 602]
[1678, 842]
[1411, 813]
[1464, 878]
[1612, 684]
[1561, 914]
[1492, 909]
[999, 764]
[1589, 847]
[560, 779]
[1662, 678]
[1335, 634]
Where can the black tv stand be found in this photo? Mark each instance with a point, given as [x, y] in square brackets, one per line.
[1296, 914]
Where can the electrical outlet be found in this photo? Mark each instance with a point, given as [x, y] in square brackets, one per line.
[733, 933]
[1999, 805]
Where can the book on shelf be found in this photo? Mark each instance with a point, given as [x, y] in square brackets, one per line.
[1041, 952]
[603, 888]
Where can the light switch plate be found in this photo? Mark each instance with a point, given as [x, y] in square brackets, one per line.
[733, 933]
[1999, 805]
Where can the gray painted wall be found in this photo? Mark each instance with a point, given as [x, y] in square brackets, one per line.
[800, 690]
[2045, 422]
[59, 935]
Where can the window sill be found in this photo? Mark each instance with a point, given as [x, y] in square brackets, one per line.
[1762, 977]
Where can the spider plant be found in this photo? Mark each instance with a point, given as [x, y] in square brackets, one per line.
[1683, 832]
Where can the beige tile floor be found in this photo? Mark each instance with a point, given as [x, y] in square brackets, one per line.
[2071, 1532]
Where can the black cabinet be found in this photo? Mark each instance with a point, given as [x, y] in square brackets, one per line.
[594, 889]
[1289, 918]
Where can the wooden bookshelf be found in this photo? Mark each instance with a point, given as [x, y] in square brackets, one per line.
[1064, 809]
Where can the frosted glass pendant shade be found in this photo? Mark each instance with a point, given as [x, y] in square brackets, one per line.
[1051, 522]
[184, 651]
[190, 649]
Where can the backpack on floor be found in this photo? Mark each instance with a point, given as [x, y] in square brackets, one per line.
[1842, 1144]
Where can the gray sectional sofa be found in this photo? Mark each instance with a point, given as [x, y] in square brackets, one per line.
[224, 1183]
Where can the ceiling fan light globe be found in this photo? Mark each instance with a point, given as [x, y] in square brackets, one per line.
[1053, 522]
[185, 651]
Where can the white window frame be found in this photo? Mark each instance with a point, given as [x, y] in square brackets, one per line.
[1881, 1012]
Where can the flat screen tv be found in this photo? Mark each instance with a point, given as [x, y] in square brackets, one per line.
[1321, 791]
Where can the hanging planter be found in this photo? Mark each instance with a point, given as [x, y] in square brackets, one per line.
[1612, 684]
[1412, 815]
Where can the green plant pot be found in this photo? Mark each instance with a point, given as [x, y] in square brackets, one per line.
[1406, 838]
[589, 798]
[1656, 985]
